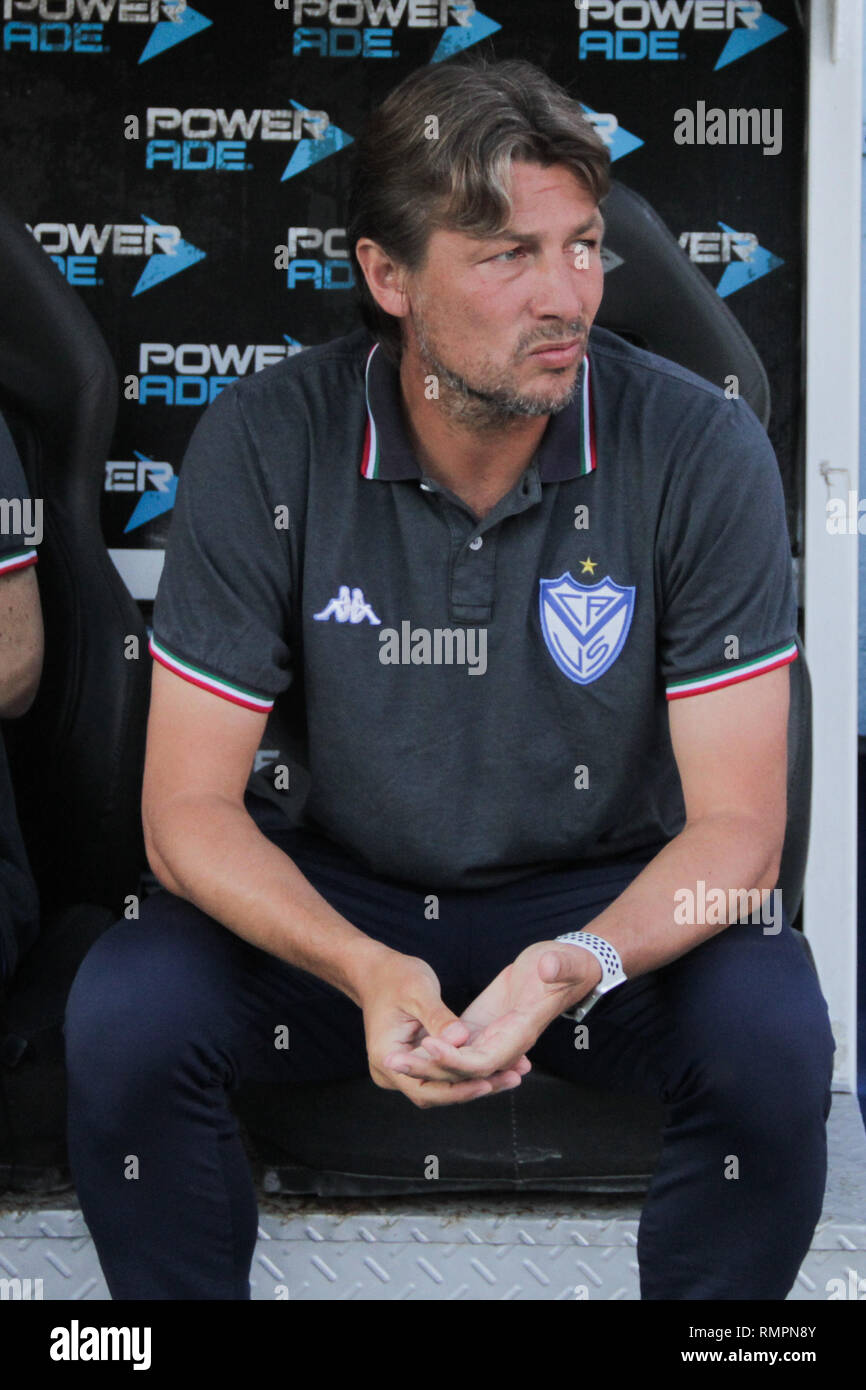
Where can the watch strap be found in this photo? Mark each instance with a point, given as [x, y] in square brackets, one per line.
[612, 972]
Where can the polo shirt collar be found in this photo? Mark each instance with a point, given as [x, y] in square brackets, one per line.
[567, 448]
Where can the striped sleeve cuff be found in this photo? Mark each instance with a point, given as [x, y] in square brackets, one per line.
[197, 675]
[730, 675]
[17, 560]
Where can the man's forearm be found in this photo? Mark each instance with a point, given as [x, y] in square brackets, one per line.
[645, 923]
[212, 853]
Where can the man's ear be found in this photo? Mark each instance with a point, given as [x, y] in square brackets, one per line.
[386, 280]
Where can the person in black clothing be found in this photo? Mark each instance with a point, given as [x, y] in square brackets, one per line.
[21, 651]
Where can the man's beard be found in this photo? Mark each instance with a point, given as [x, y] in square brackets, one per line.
[494, 403]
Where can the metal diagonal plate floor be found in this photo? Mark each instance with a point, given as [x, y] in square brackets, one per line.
[454, 1247]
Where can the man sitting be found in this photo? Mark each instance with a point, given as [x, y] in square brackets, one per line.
[523, 593]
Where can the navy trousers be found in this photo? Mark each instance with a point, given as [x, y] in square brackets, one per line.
[169, 1013]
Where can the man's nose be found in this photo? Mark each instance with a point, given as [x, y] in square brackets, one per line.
[564, 288]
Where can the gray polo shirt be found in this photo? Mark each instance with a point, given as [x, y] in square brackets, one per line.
[478, 700]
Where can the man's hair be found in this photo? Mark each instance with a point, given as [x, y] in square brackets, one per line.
[405, 185]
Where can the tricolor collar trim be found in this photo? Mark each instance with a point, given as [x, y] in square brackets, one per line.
[588, 459]
[556, 456]
[370, 463]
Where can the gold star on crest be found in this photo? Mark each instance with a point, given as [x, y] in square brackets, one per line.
[588, 566]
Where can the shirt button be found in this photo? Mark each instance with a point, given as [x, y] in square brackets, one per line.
[476, 544]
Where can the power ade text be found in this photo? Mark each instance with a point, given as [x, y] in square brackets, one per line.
[124, 238]
[641, 25]
[137, 475]
[418, 14]
[202, 370]
[77, 26]
[714, 248]
[125, 11]
[76, 250]
[351, 38]
[336, 271]
[210, 136]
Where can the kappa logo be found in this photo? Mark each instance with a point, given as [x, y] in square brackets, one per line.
[585, 625]
[348, 607]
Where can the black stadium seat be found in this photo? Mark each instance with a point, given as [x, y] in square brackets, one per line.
[77, 756]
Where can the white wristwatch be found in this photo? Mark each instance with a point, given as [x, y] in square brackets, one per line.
[612, 972]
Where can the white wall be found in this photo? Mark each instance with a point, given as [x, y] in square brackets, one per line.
[832, 470]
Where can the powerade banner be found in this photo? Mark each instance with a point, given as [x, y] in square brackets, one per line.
[185, 166]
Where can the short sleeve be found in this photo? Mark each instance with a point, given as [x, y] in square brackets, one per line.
[222, 610]
[724, 561]
[20, 516]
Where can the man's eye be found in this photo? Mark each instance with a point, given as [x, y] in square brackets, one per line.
[509, 256]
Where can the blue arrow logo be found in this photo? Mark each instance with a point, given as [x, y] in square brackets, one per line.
[163, 264]
[309, 152]
[459, 36]
[742, 41]
[169, 32]
[758, 262]
[151, 503]
[621, 142]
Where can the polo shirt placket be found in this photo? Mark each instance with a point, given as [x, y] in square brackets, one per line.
[472, 576]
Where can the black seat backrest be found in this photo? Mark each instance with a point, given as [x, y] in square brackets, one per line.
[76, 756]
[656, 298]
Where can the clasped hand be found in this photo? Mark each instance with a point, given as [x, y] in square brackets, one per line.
[417, 1045]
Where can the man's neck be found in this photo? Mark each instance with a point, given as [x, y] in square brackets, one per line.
[479, 464]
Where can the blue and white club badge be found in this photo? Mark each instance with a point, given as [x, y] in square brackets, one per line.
[585, 625]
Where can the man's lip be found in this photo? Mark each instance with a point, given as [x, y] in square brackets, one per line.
[555, 347]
